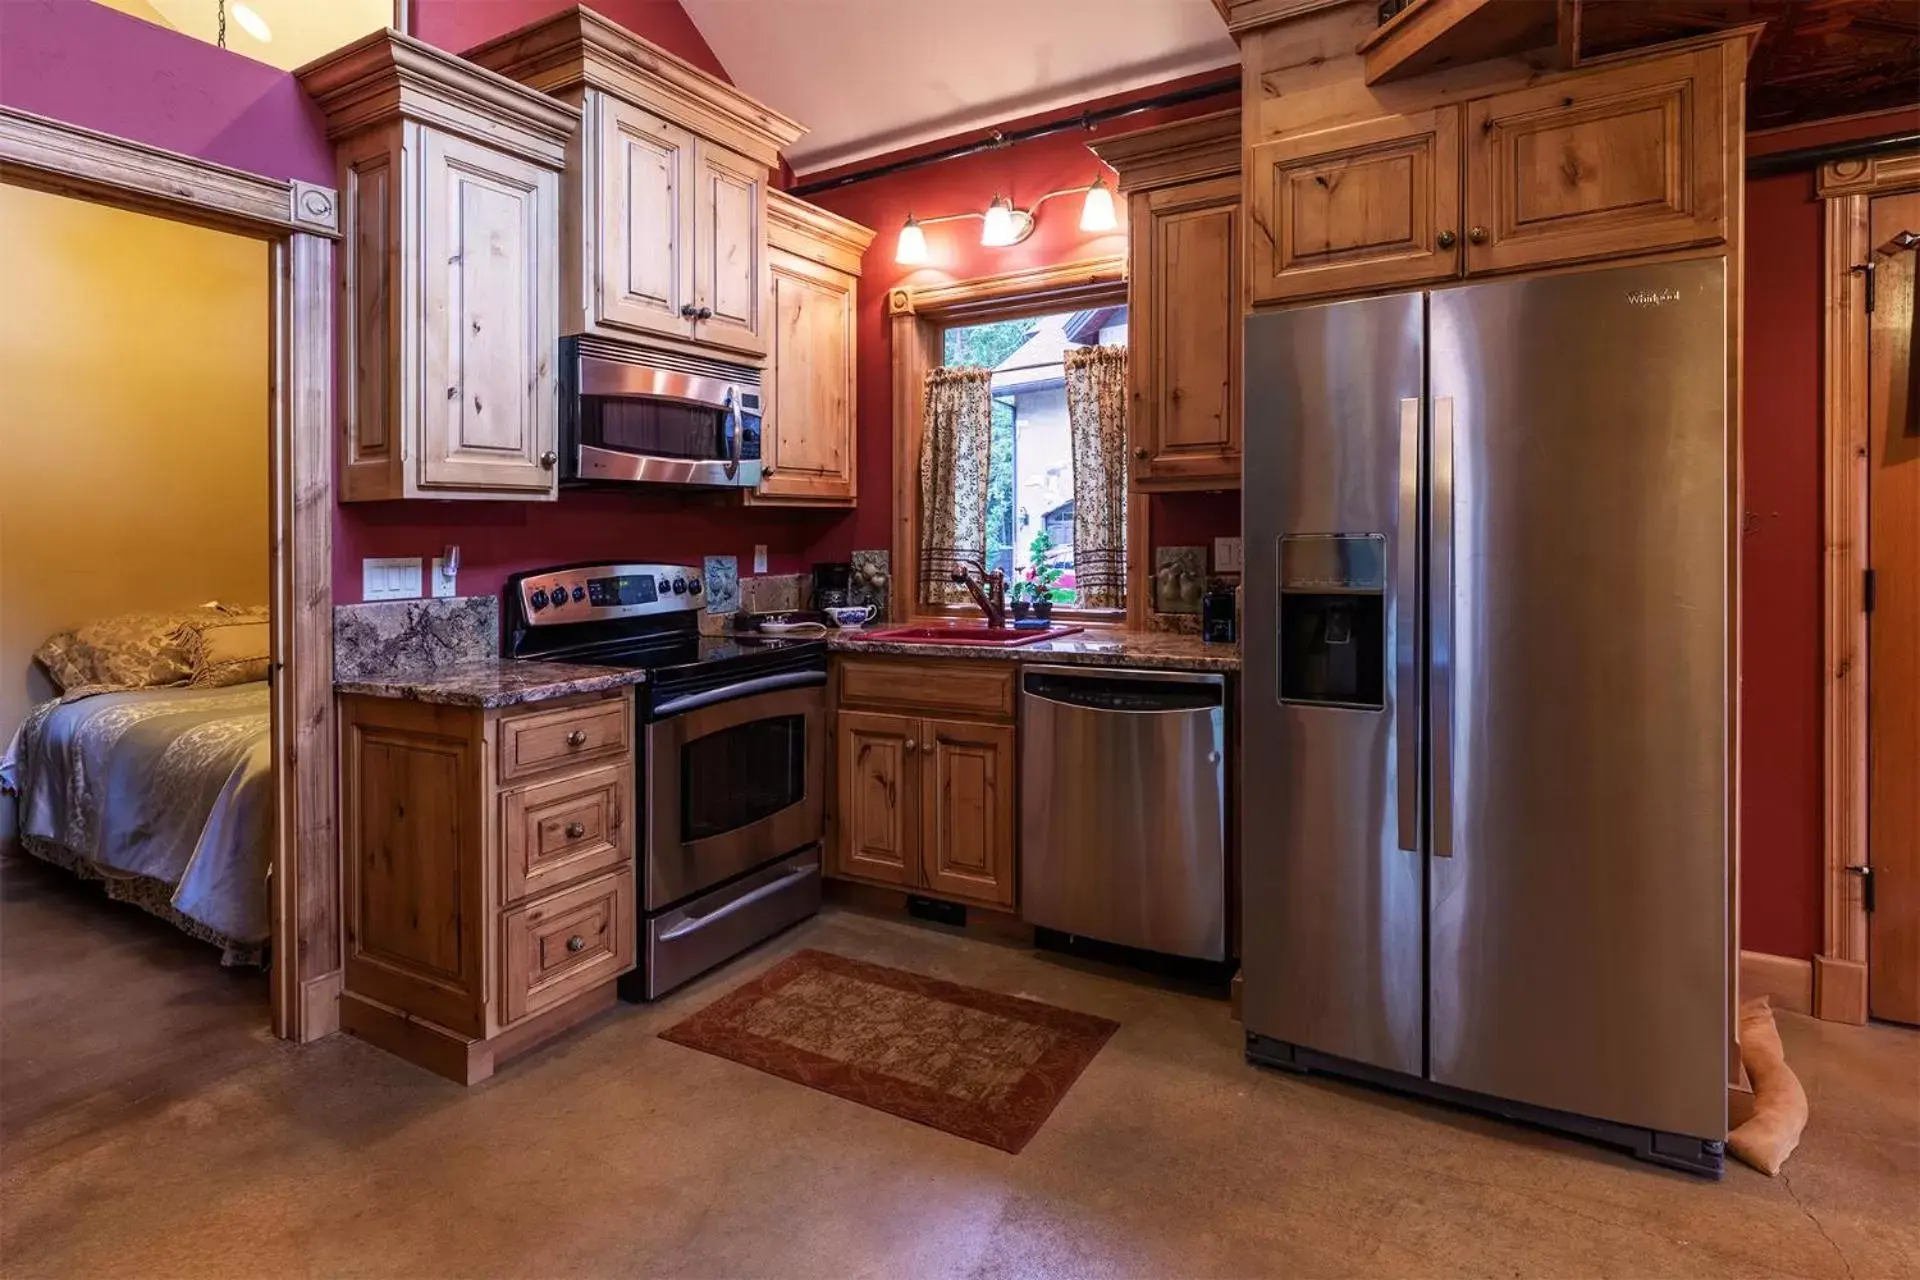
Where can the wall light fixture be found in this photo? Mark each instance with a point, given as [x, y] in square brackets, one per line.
[1003, 224]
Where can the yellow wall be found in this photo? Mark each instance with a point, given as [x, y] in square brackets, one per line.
[133, 424]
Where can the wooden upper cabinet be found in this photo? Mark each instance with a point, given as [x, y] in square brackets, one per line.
[1354, 208]
[449, 320]
[645, 222]
[730, 250]
[669, 191]
[967, 810]
[809, 444]
[1616, 161]
[1182, 183]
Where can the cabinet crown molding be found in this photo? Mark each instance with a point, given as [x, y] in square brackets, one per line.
[1169, 154]
[389, 75]
[813, 232]
[578, 47]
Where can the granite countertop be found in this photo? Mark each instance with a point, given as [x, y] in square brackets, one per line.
[1094, 648]
[490, 682]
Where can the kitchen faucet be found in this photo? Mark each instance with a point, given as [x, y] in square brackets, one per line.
[995, 605]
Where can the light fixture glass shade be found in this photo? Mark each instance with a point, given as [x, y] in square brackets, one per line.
[251, 23]
[999, 230]
[1097, 213]
[911, 249]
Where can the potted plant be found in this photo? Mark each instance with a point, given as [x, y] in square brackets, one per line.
[1043, 578]
[1021, 604]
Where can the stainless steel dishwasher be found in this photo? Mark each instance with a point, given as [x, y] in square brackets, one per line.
[1123, 807]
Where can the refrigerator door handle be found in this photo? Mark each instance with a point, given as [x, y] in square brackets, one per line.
[1440, 609]
[1406, 629]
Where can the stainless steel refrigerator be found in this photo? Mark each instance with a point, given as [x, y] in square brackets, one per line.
[1485, 705]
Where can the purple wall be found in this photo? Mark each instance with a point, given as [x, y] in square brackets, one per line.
[89, 65]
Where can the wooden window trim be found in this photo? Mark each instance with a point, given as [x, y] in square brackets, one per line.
[920, 318]
[299, 223]
[1848, 188]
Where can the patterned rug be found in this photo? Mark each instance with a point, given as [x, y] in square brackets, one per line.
[975, 1063]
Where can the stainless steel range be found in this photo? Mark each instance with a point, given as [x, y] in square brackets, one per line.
[732, 761]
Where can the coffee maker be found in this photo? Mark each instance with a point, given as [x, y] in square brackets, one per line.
[831, 583]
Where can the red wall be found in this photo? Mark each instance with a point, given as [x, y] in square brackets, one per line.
[1020, 172]
[90, 65]
[458, 25]
[1780, 624]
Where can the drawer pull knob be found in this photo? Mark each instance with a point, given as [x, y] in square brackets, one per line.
[575, 830]
[576, 943]
[578, 738]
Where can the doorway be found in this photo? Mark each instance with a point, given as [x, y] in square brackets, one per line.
[1891, 881]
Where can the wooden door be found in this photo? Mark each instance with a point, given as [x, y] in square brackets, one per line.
[730, 250]
[967, 800]
[1893, 628]
[489, 245]
[644, 273]
[1355, 208]
[1185, 335]
[807, 441]
[1618, 162]
[876, 836]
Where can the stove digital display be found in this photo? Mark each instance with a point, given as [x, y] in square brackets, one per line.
[603, 592]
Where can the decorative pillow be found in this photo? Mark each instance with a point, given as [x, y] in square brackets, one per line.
[231, 651]
[129, 651]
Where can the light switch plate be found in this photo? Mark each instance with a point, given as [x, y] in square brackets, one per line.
[390, 578]
[1228, 556]
[443, 582]
[759, 557]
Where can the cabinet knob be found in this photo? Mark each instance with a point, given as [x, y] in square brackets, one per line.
[1445, 239]
[1141, 454]
[548, 460]
[578, 738]
[766, 468]
[926, 748]
[911, 744]
[687, 310]
[576, 943]
[704, 313]
[575, 830]
[1478, 235]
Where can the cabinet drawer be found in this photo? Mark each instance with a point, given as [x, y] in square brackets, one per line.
[982, 687]
[565, 943]
[554, 833]
[572, 735]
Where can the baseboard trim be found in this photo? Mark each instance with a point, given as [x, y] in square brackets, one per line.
[1785, 980]
[1839, 990]
[319, 1007]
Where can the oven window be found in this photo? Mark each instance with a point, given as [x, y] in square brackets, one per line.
[736, 777]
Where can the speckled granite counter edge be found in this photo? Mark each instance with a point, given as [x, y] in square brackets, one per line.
[491, 685]
[1154, 651]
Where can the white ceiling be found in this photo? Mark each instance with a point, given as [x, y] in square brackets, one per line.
[871, 76]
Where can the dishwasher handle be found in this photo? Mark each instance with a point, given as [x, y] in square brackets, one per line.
[1124, 691]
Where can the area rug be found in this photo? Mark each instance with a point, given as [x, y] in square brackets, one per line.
[974, 1063]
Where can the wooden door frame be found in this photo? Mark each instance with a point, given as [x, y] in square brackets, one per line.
[1847, 187]
[299, 223]
[917, 315]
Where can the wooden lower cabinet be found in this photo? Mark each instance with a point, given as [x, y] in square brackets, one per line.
[926, 801]
[488, 867]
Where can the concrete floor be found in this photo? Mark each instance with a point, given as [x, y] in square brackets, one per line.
[151, 1127]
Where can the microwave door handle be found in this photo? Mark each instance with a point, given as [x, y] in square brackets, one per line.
[733, 436]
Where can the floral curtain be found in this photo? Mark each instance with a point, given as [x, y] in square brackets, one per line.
[1097, 426]
[953, 478]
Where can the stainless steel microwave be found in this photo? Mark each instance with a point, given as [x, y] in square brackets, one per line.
[637, 416]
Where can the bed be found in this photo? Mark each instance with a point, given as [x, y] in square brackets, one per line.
[165, 795]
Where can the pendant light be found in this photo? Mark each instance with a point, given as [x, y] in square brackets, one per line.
[911, 249]
[1097, 213]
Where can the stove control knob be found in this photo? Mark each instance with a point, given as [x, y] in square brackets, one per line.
[559, 596]
[579, 594]
[666, 585]
[693, 587]
[679, 586]
[538, 599]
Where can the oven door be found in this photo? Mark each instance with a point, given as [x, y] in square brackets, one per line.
[734, 782]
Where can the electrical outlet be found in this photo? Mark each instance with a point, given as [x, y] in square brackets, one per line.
[1228, 556]
[759, 557]
[390, 578]
[443, 582]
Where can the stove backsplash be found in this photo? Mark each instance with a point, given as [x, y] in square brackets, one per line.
[378, 637]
